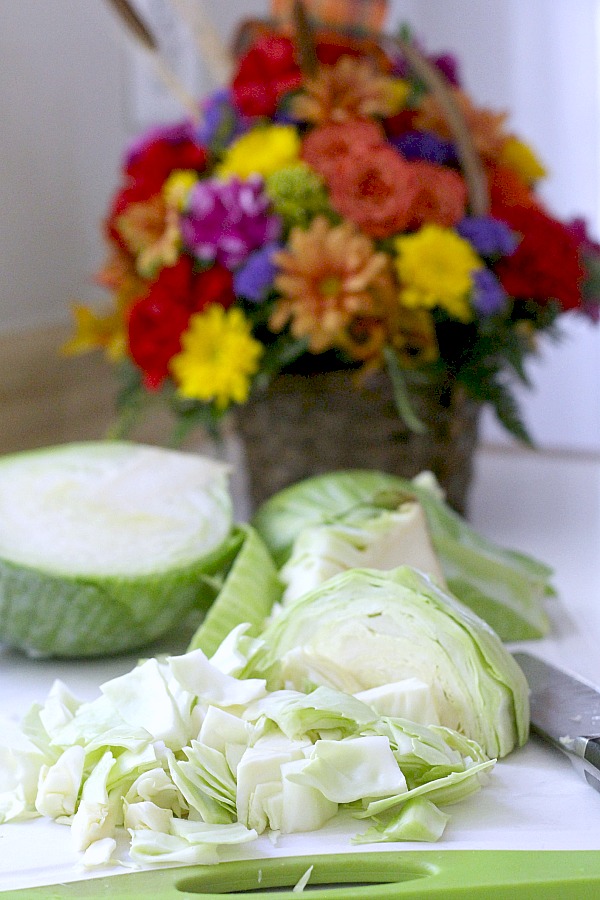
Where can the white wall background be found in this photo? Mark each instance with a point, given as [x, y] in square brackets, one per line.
[74, 91]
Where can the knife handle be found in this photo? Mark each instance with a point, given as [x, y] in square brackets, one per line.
[584, 753]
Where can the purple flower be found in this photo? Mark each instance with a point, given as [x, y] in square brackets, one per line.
[222, 122]
[489, 236]
[254, 278]
[447, 63]
[227, 220]
[489, 295]
[578, 229]
[424, 145]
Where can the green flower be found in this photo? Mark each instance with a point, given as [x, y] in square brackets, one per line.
[298, 195]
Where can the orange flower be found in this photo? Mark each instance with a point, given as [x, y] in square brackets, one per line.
[486, 126]
[507, 189]
[119, 275]
[326, 145]
[376, 189]
[141, 224]
[331, 279]
[350, 89]
[441, 198]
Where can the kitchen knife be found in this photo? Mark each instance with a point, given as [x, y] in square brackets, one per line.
[565, 710]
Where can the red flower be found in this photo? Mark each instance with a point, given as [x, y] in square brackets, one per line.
[265, 73]
[148, 169]
[399, 124]
[331, 45]
[546, 264]
[157, 320]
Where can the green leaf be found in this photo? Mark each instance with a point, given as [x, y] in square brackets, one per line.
[401, 398]
[248, 593]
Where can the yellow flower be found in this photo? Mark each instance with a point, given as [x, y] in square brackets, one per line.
[261, 151]
[177, 187]
[95, 332]
[398, 92]
[218, 359]
[435, 267]
[414, 338]
[520, 157]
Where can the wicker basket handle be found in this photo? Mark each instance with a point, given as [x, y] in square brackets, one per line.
[470, 160]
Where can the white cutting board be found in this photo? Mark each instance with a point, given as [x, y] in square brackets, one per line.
[535, 800]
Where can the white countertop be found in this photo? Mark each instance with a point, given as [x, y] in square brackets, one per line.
[545, 505]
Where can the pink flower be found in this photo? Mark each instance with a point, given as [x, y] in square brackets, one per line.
[227, 220]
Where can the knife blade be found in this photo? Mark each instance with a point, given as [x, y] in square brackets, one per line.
[565, 710]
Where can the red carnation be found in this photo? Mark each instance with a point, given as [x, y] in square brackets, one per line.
[546, 264]
[148, 170]
[157, 320]
[266, 72]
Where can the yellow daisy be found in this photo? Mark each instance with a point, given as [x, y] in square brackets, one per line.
[435, 267]
[218, 359]
[261, 151]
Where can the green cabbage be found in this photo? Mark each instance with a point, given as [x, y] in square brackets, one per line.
[188, 758]
[385, 541]
[103, 545]
[365, 628]
[505, 588]
[245, 595]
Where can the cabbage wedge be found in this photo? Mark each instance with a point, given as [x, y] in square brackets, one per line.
[505, 588]
[365, 628]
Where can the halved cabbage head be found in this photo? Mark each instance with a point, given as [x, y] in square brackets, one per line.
[103, 545]
[365, 628]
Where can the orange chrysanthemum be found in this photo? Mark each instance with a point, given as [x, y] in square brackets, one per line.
[351, 89]
[486, 127]
[337, 290]
[150, 231]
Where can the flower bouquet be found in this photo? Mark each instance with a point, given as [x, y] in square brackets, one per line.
[342, 210]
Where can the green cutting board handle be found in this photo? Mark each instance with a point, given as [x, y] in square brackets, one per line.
[362, 875]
